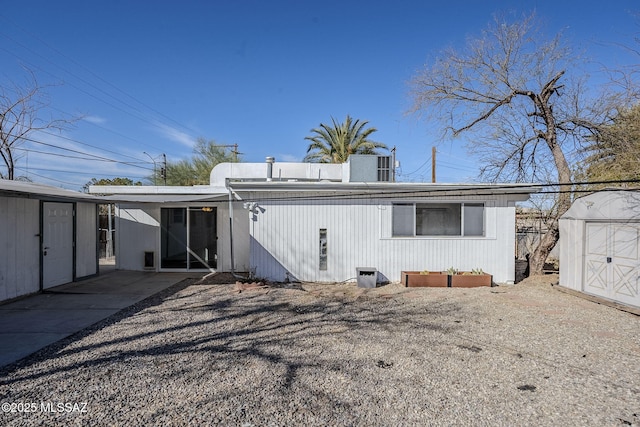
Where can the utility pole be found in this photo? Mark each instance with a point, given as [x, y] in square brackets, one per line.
[155, 176]
[433, 164]
[393, 164]
[164, 168]
[233, 148]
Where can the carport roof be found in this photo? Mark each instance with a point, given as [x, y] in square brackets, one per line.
[159, 194]
[389, 187]
[203, 193]
[163, 198]
[44, 192]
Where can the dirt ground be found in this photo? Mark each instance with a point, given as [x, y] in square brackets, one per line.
[214, 351]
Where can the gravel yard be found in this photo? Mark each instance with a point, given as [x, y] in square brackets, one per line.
[204, 353]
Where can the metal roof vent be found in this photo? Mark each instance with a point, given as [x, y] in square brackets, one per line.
[270, 160]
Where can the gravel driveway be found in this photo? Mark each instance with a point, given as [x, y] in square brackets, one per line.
[206, 354]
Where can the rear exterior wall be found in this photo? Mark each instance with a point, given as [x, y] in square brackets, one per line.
[284, 238]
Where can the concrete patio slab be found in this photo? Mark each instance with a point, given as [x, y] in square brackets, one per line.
[32, 323]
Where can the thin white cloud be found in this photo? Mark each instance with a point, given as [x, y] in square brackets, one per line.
[95, 120]
[176, 135]
[41, 162]
[288, 158]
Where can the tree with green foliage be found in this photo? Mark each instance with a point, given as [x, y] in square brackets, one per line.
[196, 171]
[335, 143]
[614, 154]
[109, 181]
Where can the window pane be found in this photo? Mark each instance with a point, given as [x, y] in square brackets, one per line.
[173, 235]
[323, 249]
[402, 219]
[202, 237]
[473, 219]
[438, 219]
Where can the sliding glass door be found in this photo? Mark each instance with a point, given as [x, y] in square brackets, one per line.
[202, 238]
[188, 238]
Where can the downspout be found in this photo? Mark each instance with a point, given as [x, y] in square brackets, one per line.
[233, 262]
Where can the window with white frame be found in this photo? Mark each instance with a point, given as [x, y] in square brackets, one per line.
[437, 219]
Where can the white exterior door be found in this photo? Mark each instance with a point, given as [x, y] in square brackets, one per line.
[57, 244]
[612, 261]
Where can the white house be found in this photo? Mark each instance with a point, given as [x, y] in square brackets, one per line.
[317, 222]
[599, 246]
[48, 236]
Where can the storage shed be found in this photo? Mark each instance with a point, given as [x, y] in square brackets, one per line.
[48, 237]
[599, 246]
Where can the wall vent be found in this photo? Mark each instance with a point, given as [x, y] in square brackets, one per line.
[384, 169]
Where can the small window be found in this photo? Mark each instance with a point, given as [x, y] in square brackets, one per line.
[403, 219]
[323, 249]
[473, 219]
[437, 219]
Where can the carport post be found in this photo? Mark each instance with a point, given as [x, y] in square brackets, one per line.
[230, 225]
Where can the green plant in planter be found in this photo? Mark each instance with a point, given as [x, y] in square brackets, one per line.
[477, 271]
[451, 271]
[424, 272]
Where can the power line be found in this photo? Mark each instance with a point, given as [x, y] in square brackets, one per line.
[438, 192]
[28, 170]
[96, 76]
[421, 166]
[46, 177]
[101, 127]
[92, 146]
[66, 156]
[66, 113]
[91, 156]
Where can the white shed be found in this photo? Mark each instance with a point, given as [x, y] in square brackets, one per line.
[48, 237]
[599, 246]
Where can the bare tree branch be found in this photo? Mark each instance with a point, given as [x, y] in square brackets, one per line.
[509, 86]
[20, 107]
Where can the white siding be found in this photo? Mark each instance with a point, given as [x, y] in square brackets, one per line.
[241, 224]
[138, 231]
[571, 246]
[285, 238]
[19, 247]
[86, 239]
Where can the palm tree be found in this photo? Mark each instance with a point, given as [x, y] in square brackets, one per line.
[334, 144]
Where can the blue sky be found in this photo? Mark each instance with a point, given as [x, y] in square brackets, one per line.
[152, 76]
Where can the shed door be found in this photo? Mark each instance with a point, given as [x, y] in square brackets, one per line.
[612, 262]
[57, 244]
